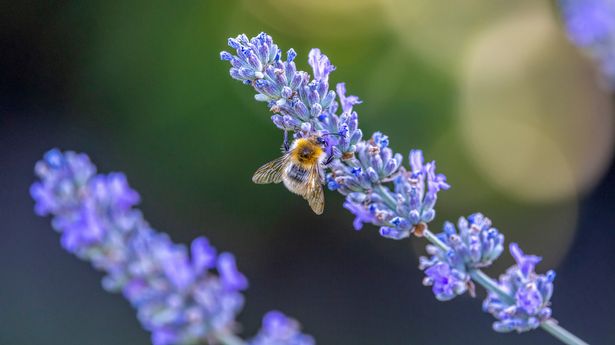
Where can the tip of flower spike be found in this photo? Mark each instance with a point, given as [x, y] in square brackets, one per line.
[291, 55]
[262, 37]
[233, 43]
[224, 55]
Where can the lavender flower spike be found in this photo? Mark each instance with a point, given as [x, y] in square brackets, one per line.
[378, 189]
[531, 292]
[178, 297]
[399, 199]
[476, 245]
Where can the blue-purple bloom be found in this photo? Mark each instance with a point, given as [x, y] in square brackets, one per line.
[532, 293]
[361, 169]
[182, 295]
[591, 26]
[278, 329]
[399, 199]
[446, 281]
[476, 245]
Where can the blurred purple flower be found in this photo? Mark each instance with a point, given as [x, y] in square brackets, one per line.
[590, 25]
[178, 296]
[278, 329]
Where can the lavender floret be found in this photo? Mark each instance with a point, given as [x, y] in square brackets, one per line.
[476, 245]
[532, 293]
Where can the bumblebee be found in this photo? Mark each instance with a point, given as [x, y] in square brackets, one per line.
[300, 168]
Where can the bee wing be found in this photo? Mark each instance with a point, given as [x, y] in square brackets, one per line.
[270, 172]
[314, 193]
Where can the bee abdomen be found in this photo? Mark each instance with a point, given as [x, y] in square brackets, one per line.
[297, 173]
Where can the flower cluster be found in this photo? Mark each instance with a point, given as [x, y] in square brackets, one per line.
[177, 295]
[591, 26]
[278, 329]
[360, 169]
[381, 191]
[295, 100]
[477, 244]
[531, 291]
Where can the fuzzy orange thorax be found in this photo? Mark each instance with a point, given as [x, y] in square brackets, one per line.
[306, 152]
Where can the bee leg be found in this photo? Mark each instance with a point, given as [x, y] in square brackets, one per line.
[329, 160]
[286, 145]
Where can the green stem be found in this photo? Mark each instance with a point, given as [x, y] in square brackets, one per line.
[561, 333]
[491, 285]
[435, 240]
[386, 196]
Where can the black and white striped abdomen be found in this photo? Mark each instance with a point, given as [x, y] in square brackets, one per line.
[295, 178]
[297, 173]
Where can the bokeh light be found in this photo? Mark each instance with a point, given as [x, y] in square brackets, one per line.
[439, 31]
[531, 114]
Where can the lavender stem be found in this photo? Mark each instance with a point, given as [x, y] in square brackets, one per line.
[561, 333]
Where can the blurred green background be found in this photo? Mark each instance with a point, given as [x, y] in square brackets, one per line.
[514, 115]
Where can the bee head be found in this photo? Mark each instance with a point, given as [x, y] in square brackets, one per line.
[320, 139]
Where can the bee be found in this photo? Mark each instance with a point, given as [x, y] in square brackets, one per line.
[300, 168]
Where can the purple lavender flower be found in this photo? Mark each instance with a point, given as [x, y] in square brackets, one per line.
[476, 245]
[531, 291]
[401, 200]
[591, 26]
[321, 65]
[360, 169]
[446, 282]
[278, 329]
[177, 295]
